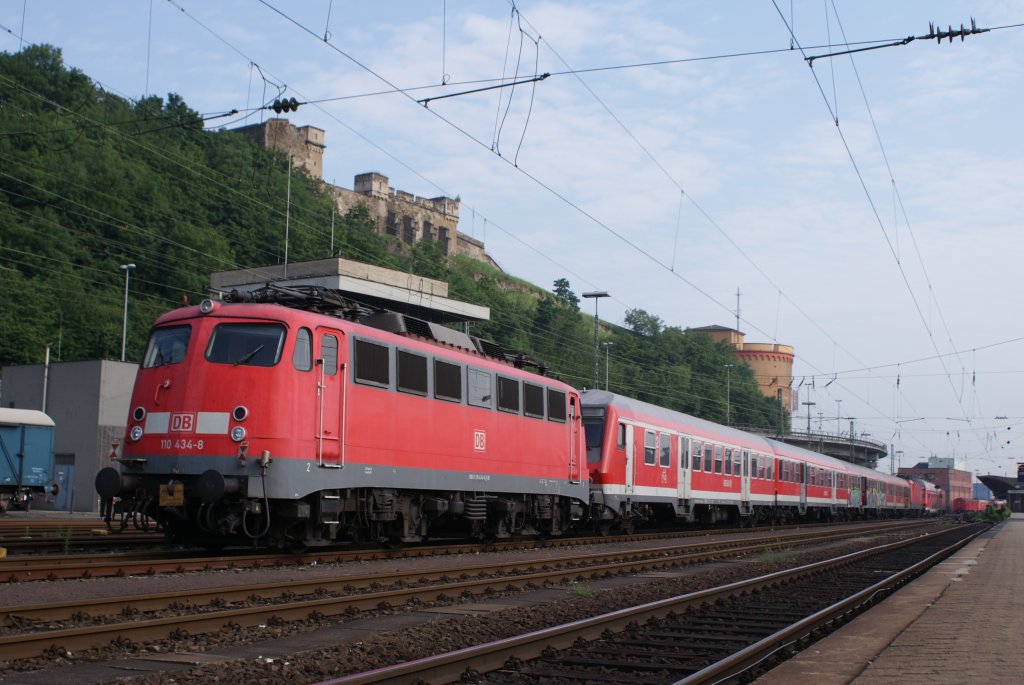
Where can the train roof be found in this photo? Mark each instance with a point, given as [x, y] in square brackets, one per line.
[415, 337]
[24, 417]
[729, 434]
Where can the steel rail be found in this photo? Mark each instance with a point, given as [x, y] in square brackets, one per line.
[449, 667]
[93, 566]
[32, 643]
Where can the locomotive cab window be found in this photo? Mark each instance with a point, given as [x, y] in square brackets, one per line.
[329, 353]
[302, 355]
[373, 364]
[166, 346]
[412, 373]
[447, 381]
[246, 344]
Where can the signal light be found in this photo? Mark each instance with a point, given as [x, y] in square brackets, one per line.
[285, 105]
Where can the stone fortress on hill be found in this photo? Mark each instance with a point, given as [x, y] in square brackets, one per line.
[395, 212]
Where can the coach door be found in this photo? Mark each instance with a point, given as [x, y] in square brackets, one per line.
[803, 486]
[683, 476]
[630, 454]
[745, 483]
[329, 388]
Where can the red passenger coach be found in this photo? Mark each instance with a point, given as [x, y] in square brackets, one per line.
[275, 425]
[648, 464]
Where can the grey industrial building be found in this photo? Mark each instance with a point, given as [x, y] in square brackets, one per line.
[89, 402]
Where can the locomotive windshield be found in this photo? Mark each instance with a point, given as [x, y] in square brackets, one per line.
[249, 344]
[166, 346]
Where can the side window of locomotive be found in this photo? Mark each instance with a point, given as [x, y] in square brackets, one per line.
[479, 388]
[302, 355]
[533, 400]
[650, 441]
[508, 394]
[556, 405]
[447, 381]
[665, 453]
[373, 364]
[166, 346]
[412, 373]
[329, 352]
[246, 344]
[697, 447]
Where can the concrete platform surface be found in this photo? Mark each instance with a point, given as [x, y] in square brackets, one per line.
[958, 623]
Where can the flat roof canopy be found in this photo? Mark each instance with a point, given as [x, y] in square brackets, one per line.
[377, 287]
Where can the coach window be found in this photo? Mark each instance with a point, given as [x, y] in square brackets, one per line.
[746, 464]
[761, 459]
[709, 456]
[447, 381]
[556, 405]
[412, 373]
[479, 391]
[784, 470]
[329, 352]
[769, 467]
[649, 447]
[665, 452]
[533, 400]
[684, 452]
[373, 364]
[508, 394]
[697, 447]
[736, 467]
[718, 458]
[728, 462]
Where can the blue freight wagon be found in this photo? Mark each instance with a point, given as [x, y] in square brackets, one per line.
[26, 457]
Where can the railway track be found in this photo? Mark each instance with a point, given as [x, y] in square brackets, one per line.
[718, 635]
[18, 568]
[92, 623]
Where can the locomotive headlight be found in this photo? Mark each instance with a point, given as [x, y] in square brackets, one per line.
[206, 306]
[238, 434]
[135, 434]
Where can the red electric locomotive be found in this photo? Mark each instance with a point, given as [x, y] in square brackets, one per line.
[648, 464]
[275, 425]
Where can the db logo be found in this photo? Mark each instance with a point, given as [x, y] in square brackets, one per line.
[479, 441]
[183, 423]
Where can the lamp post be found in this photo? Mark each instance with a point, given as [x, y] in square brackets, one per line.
[596, 295]
[728, 371]
[606, 344]
[127, 269]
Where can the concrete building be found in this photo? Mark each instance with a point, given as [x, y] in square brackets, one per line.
[89, 402]
[395, 212]
[944, 474]
[772, 363]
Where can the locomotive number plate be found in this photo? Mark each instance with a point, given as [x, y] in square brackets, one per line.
[176, 498]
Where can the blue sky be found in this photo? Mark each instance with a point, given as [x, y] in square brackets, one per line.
[872, 246]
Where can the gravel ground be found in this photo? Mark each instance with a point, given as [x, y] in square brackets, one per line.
[382, 648]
